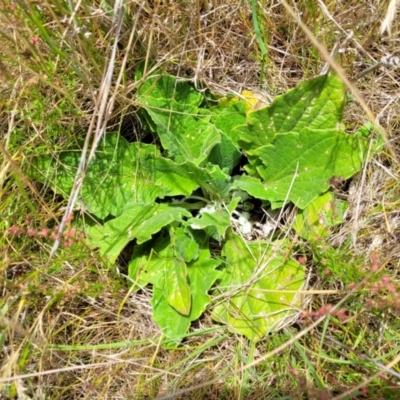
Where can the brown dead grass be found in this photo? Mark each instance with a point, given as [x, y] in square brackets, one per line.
[82, 303]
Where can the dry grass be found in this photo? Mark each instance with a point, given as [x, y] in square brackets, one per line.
[70, 329]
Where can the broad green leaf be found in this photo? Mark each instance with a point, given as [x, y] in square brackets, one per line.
[184, 244]
[227, 119]
[202, 274]
[153, 265]
[173, 324]
[212, 180]
[186, 177]
[143, 258]
[214, 224]
[261, 283]
[316, 104]
[148, 262]
[177, 291]
[185, 137]
[138, 221]
[115, 177]
[252, 186]
[167, 87]
[175, 179]
[173, 106]
[225, 154]
[299, 166]
[315, 221]
[165, 270]
[256, 133]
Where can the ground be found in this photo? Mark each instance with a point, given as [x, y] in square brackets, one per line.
[71, 326]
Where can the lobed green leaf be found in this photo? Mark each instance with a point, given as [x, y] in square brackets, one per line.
[298, 166]
[165, 270]
[138, 221]
[116, 176]
[261, 283]
[316, 220]
[185, 134]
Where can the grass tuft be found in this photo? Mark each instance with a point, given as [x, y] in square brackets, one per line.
[70, 327]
